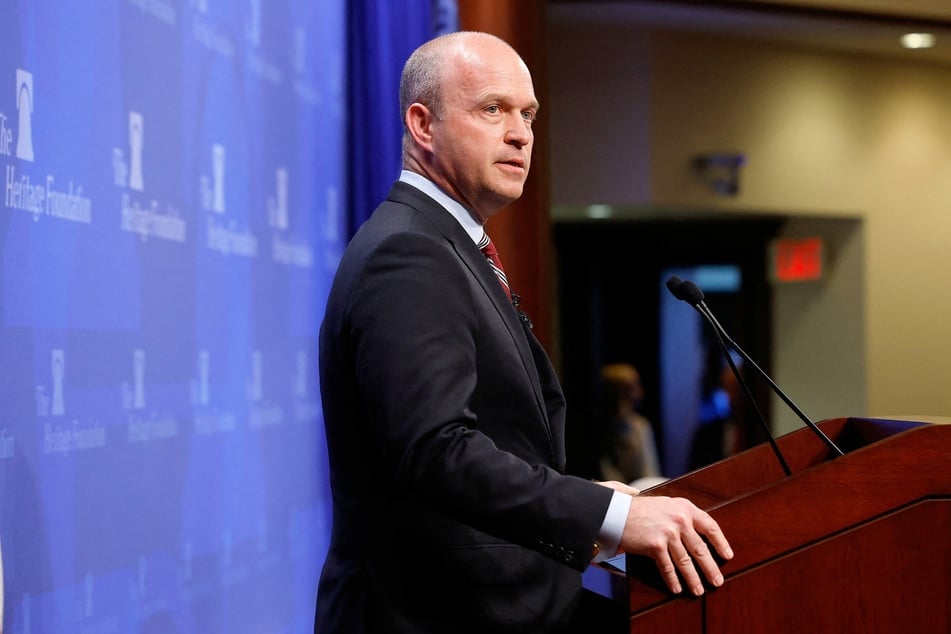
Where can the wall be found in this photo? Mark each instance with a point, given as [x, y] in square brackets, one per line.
[170, 218]
[860, 140]
[599, 117]
[934, 9]
[819, 328]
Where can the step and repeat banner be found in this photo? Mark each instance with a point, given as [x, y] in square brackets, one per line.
[170, 219]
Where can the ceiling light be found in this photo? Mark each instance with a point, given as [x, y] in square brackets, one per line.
[917, 40]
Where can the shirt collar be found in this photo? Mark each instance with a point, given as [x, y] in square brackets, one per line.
[454, 207]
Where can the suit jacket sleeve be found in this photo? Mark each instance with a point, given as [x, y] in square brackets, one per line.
[450, 403]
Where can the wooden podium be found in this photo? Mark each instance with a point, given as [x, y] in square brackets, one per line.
[858, 543]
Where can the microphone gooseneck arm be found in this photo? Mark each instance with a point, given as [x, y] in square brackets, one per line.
[705, 311]
[689, 292]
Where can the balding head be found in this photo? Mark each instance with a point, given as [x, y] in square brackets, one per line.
[425, 70]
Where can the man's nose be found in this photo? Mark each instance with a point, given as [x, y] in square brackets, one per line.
[519, 132]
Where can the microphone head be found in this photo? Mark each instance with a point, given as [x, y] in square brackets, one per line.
[685, 290]
[691, 293]
[675, 286]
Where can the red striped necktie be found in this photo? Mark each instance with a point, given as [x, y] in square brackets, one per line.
[488, 249]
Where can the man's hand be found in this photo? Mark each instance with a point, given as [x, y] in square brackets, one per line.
[620, 487]
[670, 531]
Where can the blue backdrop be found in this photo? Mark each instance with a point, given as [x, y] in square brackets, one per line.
[176, 196]
[174, 205]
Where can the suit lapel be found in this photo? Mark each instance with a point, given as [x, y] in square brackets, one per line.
[475, 261]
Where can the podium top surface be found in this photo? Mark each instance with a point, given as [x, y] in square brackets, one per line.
[888, 464]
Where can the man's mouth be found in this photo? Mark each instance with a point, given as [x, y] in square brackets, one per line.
[519, 163]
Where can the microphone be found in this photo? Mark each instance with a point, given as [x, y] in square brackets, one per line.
[689, 292]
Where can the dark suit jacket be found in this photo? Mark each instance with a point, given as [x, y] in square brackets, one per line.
[445, 429]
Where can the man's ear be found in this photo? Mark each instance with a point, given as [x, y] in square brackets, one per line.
[419, 122]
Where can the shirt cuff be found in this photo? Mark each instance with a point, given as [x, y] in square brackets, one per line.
[609, 537]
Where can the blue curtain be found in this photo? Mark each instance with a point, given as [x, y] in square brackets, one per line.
[381, 34]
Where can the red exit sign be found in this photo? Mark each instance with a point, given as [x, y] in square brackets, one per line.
[797, 259]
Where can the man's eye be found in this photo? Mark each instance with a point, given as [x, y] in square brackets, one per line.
[529, 116]
[493, 109]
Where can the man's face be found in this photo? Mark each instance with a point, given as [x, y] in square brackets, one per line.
[482, 140]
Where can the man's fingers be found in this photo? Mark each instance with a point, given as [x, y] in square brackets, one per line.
[708, 565]
[687, 560]
[685, 564]
[700, 550]
[620, 487]
[668, 571]
[717, 538]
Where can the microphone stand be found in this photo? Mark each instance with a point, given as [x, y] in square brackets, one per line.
[706, 312]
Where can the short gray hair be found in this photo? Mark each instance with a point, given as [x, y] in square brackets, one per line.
[420, 81]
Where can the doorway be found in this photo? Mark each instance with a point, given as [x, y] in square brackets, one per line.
[613, 307]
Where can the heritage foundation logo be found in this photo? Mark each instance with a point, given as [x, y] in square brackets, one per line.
[144, 216]
[144, 426]
[208, 419]
[262, 414]
[44, 198]
[224, 235]
[63, 435]
[284, 249]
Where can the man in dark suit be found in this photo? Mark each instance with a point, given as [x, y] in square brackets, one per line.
[444, 416]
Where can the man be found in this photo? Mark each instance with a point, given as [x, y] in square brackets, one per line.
[444, 417]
